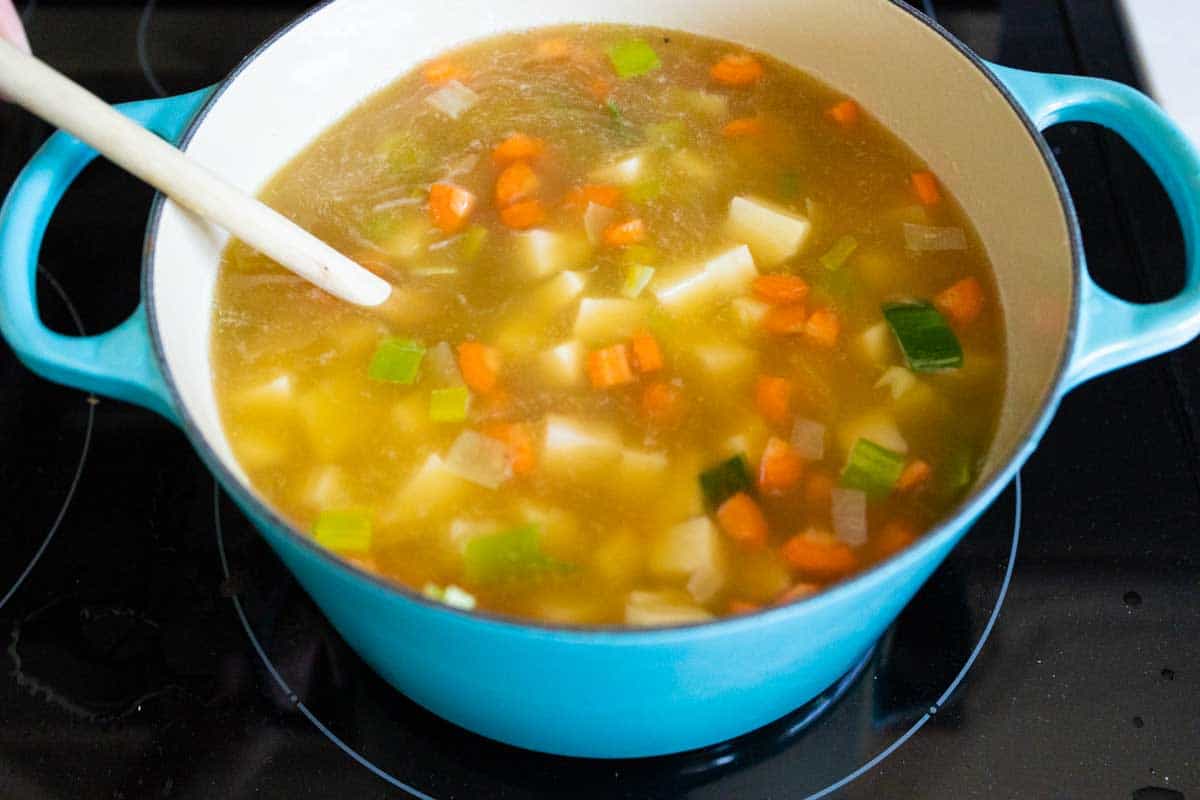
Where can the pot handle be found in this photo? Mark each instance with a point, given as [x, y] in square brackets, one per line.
[1113, 332]
[121, 362]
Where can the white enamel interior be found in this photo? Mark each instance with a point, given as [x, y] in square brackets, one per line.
[926, 91]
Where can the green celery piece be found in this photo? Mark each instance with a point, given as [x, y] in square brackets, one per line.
[872, 468]
[666, 134]
[723, 481]
[614, 111]
[789, 185]
[380, 226]
[638, 255]
[636, 279]
[633, 57]
[344, 530]
[842, 249]
[507, 555]
[396, 361]
[472, 242]
[644, 190]
[958, 471]
[449, 405]
[928, 343]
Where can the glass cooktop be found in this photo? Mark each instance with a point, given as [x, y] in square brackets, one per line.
[154, 647]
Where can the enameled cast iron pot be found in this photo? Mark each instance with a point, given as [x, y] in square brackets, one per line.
[613, 692]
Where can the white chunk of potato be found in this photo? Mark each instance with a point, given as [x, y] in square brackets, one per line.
[326, 487]
[273, 396]
[574, 449]
[541, 253]
[709, 104]
[639, 472]
[749, 314]
[557, 293]
[723, 365]
[681, 550]
[618, 557]
[646, 609]
[876, 346]
[332, 433]
[603, 320]
[559, 531]
[725, 275]
[562, 365]
[258, 449]
[773, 235]
[623, 172]
[732, 270]
[878, 426]
[430, 490]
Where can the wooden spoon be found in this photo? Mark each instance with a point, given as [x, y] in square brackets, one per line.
[65, 104]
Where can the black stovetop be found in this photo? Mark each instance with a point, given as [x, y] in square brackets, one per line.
[155, 647]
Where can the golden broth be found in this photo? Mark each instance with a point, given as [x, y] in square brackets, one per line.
[597, 514]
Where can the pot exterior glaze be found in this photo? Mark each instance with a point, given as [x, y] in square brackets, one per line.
[615, 692]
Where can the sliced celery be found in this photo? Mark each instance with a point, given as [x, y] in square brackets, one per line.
[472, 242]
[396, 361]
[344, 530]
[636, 280]
[633, 57]
[872, 468]
[449, 405]
[842, 249]
[508, 555]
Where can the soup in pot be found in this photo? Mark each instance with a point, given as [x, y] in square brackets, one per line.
[677, 332]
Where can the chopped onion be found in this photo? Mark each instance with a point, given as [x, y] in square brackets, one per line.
[850, 516]
[453, 99]
[898, 380]
[456, 597]
[479, 459]
[596, 219]
[928, 237]
[704, 584]
[808, 439]
[443, 364]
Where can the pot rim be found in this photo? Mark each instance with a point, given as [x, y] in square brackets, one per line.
[952, 526]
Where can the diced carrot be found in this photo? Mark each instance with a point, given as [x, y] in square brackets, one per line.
[798, 591]
[783, 320]
[895, 536]
[480, 366]
[523, 215]
[609, 367]
[961, 302]
[772, 398]
[518, 147]
[599, 89]
[743, 520]
[621, 234]
[844, 113]
[443, 71]
[818, 554]
[915, 474]
[737, 69]
[647, 355]
[780, 468]
[600, 194]
[663, 404]
[555, 49]
[926, 187]
[450, 206]
[517, 182]
[822, 327]
[517, 441]
[818, 491]
[736, 606]
[780, 290]
[746, 126]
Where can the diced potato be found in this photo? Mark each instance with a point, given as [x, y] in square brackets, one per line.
[652, 609]
[877, 426]
[562, 366]
[463, 529]
[273, 396]
[568, 606]
[876, 346]
[773, 235]
[603, 320]
[555, 294]
[326, 488]
[540, 253]
[724, 365]
[431, 490]
[692, 165]
[618, 558]
[678, 494]
[725, 275]
[748, 313]
[921, 405]
[639, 473]
[573, 449]
[561, 536]
[331, 431]
[519, 335]
[710, 104]
[679, 551]
[411, 237]
[258, 449]
[704, 584]
[411, 415]
[622, 173]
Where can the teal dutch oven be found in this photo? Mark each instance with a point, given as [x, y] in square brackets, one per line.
[612, 692]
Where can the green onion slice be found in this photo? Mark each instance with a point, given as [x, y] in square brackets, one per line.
[396, 361]
[726, 479]
[508, 555]
[928, 343]
[872, 468]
